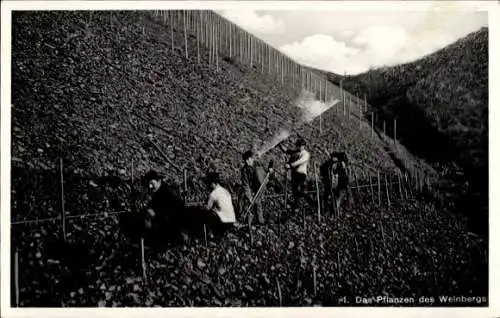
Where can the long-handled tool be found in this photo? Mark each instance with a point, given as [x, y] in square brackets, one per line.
[259, 192]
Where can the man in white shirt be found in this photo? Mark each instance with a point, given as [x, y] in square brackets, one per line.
[219, 205]
[298, 164]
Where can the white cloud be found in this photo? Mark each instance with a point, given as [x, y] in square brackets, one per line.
[382, 42]
[372, 46]
[355, 41]
[323, 51]
[255, 23]
[347, 33]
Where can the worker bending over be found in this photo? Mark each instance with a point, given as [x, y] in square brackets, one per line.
[220, 217]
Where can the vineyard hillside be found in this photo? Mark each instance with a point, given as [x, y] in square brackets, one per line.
[443, 98]
[101, 85]
[447, 92]
[99, 98]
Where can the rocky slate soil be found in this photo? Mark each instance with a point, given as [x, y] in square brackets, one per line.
[97, 85]
[406, 250]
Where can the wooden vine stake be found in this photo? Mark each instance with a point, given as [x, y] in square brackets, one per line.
[371, 190]
[209, 38]
[343, 101]
[404, 186]
[269, 56]
[63, 213]
[408, 183]
[415, 180]
[262, 57]
[339, 269]
[357, 183]
[395, 136]
[250, 228]
[326, 91]
[314, 280]
[230, 40]
[357, 247]
[143, 262]
[132, 202]
[279, 292]
[205, 234]
[16, 276]
[387, 190]
[285, 199]
[185, 33]
[171, 18]
[198, 27]
[303, 218]
[216, 36]
[252, 51]
[350, 106]
[379, 194]
[373, 119]
[317, 193]
[282, 69]
[360, 115]
[185, 185]
[399, 183]
[383, 238]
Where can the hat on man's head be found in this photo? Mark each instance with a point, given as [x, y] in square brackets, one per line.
[150, 175]
[248, 154]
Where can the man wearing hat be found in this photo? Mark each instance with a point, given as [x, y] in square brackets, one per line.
[252, 176]
[164, 215]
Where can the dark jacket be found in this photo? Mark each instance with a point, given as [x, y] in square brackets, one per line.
[328, 171]
[251, 178]
[166, 204]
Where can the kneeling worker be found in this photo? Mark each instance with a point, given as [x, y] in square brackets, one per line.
[221, 215]
[164, 213]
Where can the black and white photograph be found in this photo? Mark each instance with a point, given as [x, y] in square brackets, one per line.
[250, 154]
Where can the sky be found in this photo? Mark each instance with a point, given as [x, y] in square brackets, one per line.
[352, 42]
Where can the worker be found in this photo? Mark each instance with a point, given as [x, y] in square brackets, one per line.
[164, 215]
[299, 159]
[335, 180]
[252, 176]
[220, 215]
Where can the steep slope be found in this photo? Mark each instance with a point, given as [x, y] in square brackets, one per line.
[97, 85]
[441, 104]
[442, 95]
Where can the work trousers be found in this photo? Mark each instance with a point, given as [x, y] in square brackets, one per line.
[298, 188]
[333, 200]
[244, 203]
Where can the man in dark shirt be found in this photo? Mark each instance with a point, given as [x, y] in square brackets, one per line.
[335, 179]
[165, 212]
[252, 176]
